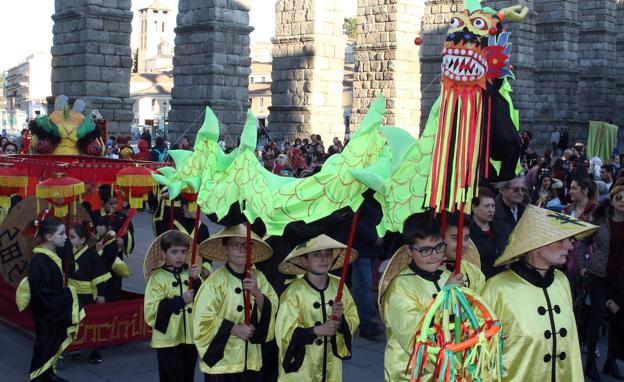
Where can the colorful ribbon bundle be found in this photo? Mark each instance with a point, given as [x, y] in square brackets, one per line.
[466, 346]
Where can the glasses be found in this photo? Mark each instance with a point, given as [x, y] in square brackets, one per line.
[239, 246]
[428, 251]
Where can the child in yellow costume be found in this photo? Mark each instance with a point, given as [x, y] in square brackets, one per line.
[413, 278]
[168, 305]
[313, 332]
[229, 349]
[532, 299]
[474, 278]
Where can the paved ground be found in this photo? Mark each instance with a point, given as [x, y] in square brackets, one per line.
[137, 362]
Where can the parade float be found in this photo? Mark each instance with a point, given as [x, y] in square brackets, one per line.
[64, 167]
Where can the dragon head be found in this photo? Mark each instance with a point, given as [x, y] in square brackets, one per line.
[477, 47]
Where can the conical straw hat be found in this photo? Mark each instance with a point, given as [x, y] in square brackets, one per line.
[154, 259]
[401, 259]
[472, 254]
[213, 248]
[539, 227]
[293, 263]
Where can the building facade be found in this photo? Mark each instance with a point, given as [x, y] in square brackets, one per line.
[27, 85]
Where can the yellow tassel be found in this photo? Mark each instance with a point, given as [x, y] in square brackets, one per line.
[13, 181]
[135, 181]
[136, 202]
[60, 211]
[51, 192]
[5, 204]
[192, 207]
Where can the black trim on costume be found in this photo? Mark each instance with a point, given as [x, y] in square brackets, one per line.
[346, 332]
[166, 308]
[262, 327]
[324, 338]
[169, 306]
[320, 290]
[429, 276]
[215, 350]
[295, 353]
[531, 275]
[240, 276]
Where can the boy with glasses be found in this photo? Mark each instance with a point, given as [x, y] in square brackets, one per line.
[229, 349]
[412, 280]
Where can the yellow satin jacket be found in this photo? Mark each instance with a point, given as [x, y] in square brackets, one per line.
[537, 317]
[404, 305]
[473, 277]
[304, 356]
[165, 310]
[219, 305]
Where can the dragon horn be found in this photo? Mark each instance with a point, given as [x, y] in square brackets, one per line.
[514, 14]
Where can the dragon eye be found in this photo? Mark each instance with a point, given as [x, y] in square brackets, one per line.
[456, 22]
[479, 23]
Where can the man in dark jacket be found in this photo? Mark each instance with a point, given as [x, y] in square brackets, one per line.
[509, 206]
[369, 247]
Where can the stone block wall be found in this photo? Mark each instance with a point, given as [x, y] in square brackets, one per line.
[388, 62]
[556, 67]
[307, 73]
[597, 61]
[91, 57]
[619, 66]
[435, 24]
[211, 67]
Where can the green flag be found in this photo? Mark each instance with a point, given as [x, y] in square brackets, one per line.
[602, 140]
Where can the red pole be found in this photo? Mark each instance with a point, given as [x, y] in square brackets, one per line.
[195, 236]
[460, 239]
[247, 274]
[171, 211]
[345, 265]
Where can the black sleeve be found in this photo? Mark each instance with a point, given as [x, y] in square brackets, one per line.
[53, 302]
[262, 327]
[346, 333]
[295, 353]
[196, 284]
[215, 351]
[166, 308]
[109, 253]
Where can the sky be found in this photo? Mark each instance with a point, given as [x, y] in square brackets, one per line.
[26, 25]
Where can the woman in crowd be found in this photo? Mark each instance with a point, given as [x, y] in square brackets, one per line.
[483, 234]
[604, 268]
[545, 191]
